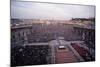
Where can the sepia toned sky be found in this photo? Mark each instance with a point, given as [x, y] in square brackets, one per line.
[34, 10]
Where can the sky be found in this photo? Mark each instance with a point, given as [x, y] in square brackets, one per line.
[36, 10]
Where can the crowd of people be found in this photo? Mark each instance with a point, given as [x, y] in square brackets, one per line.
[84, 53]
[29, 55]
